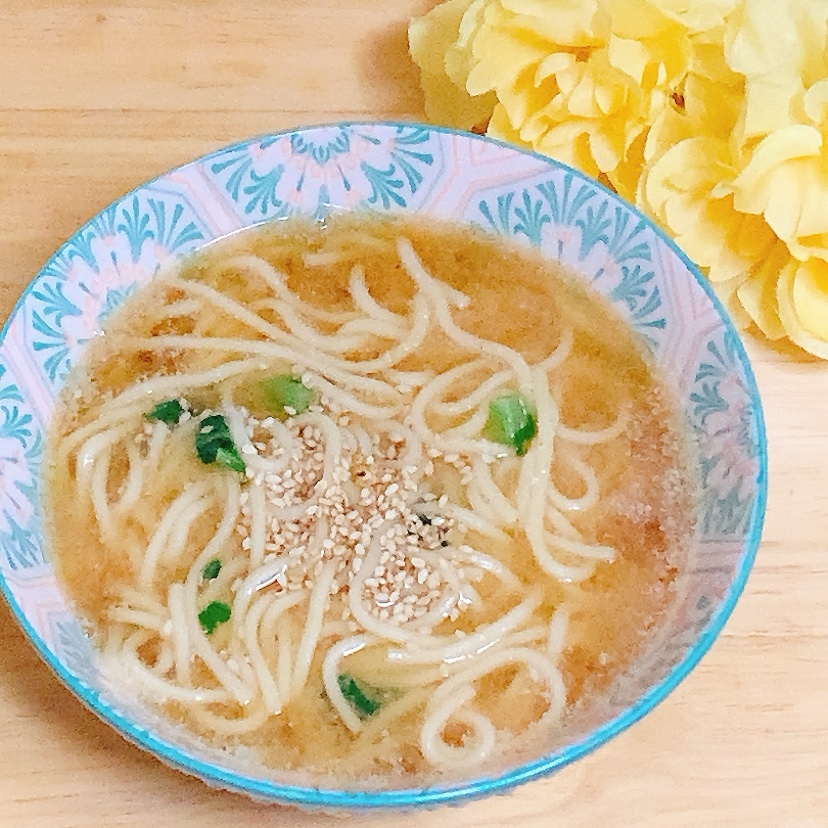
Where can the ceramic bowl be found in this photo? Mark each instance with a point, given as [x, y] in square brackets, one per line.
[396, 168]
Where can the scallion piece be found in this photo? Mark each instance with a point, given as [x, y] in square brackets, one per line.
[364, 699]
[211, 570]
[286, 395]
[230, 458]
[511, 422]
[215, 613]
[168, 411]
[214, 443]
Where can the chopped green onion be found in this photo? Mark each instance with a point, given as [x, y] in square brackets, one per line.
[364, 699]
[214, 443]
[212, 570]
[287, 395]
[215, 613]
[231, 459]
[511, 422]
[168, 411]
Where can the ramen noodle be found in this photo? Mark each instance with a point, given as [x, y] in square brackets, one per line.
[369, 498]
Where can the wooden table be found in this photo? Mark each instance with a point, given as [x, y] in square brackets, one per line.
[95, 98]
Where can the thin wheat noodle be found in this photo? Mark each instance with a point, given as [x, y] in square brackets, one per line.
[131, 490]
[367, 304]
[474, 750]
[138, 618]
[181, 512]
[330, 676]
[161, 689]
[313, 626]
[271, 697]
[432, 290]
[100, 499]
[176, 601]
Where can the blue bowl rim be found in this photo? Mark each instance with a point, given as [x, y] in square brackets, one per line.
[330, 798]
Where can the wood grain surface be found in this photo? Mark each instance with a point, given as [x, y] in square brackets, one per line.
[96, 98]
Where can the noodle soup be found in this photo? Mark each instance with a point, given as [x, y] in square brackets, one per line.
[378, 499]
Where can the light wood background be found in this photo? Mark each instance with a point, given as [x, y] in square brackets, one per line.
[97, 97]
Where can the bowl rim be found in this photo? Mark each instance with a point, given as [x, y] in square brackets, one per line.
[459, 792]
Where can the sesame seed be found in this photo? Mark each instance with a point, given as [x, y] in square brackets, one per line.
[320, 509]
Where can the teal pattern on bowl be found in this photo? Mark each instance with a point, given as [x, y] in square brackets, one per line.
[401, 168]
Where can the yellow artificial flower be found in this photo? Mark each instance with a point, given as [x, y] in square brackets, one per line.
[711, 116]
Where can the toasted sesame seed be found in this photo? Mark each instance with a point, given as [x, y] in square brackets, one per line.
[315, 512]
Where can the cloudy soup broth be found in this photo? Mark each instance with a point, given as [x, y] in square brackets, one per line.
[377, 501]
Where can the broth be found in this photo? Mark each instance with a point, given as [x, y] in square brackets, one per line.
[527, 613]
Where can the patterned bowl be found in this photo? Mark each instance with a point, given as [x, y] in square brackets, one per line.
[389, 168]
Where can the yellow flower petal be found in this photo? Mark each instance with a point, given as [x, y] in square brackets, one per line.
[758, 293]
[793, 142]
[768, 103]
[431, 36]
[501, 56]
[626, 176]
[802, 294]
[432, 42]
[815, 103]
[779, 47]
[460, 57]
[688, 167]
[501, 127]
[553, 64]
[569, 142]
[771, 159]
[564, 22]
[786, 181]
[750, 247]
[698, 15]
[810, 296]
[728, 295]
[630, 56]
[766, 35]
[637, 19]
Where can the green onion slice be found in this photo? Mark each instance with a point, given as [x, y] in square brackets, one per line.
[168, 411]
[286, 395]
[214, 443]
[215, 613]
[364, 699]
[211, 570]
[511, 422]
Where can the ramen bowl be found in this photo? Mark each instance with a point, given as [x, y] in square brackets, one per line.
[410, 170]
